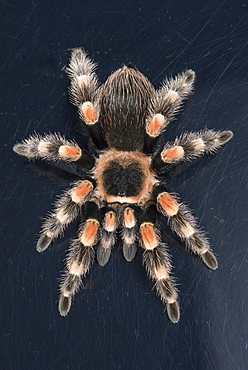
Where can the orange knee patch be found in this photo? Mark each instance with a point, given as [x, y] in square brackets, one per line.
[129, 218]
[89, 113]
[156, 125]
[69, 152]
[172, 154]
[79, 194]
[88, 236]
[149, 237]
[110, 221]
[167, 205]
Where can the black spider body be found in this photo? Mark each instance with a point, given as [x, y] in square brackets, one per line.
[121, 191]
[124, 101]
[123, 181]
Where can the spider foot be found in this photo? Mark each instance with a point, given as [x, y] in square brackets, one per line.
[129, 251]
[103, 255]
[64, 305]
[210, 260]
[173, 312]
[43, 243]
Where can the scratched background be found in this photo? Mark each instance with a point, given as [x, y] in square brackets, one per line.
[117, 322]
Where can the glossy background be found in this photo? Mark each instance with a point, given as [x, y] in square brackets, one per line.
[118, 322]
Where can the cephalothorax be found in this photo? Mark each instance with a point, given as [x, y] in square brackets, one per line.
[121, 190]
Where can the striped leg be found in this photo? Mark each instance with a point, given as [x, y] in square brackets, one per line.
[157, 263]
[189, 146]
[66, 210]
[83, 92]
[184, 225]
[108, 232]
[54, 147]
[80, 257]
[168, 100]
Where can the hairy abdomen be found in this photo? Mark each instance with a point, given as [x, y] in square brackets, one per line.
[125, 100]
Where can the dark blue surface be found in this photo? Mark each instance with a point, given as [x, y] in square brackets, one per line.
[117, 322]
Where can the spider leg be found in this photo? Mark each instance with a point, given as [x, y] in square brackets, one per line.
[184, 225]
[157, 262]
[166, 104]
[189, 146]
[130, 217]
[66, 210]
[84, 93]
[80, 256]
[108, 232]
[53, 147]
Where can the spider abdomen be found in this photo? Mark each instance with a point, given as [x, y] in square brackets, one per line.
[125, 100]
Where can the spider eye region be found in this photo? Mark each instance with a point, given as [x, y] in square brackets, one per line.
[123, 181]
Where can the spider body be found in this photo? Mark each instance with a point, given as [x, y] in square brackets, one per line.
[125, 99]
[121, 190]
[124, 177]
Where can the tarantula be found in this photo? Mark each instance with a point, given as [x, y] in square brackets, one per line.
[121, 190]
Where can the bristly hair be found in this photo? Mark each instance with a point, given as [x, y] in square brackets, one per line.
[123, 114]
